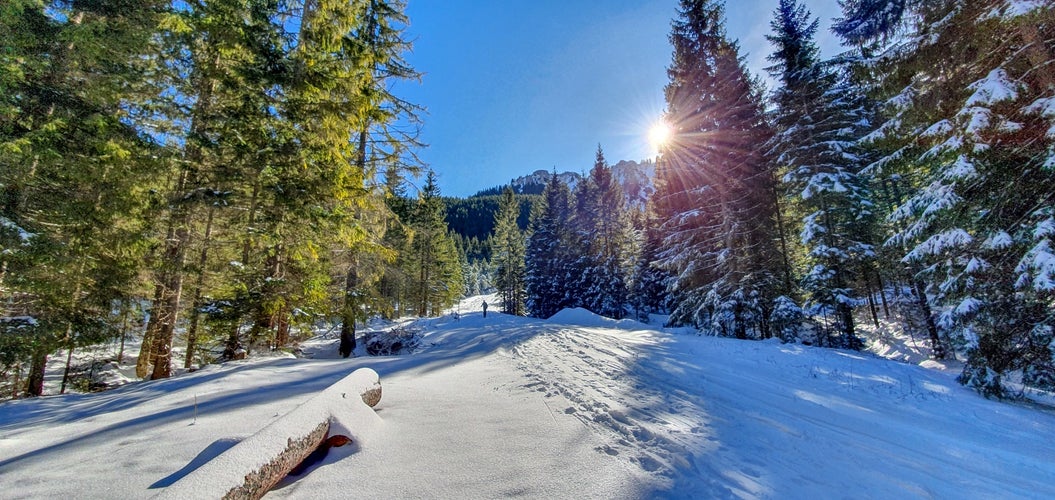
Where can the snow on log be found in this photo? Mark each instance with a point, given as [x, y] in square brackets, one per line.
[250, 468]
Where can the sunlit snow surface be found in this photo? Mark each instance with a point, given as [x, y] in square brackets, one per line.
[574, 406]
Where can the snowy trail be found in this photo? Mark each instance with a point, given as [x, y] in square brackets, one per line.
[722, 418]
[577, 406]
[475, 428]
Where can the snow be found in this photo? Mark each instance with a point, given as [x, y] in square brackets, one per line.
[575, 406]
[1038, 267]
[227, 471]
[998, 241]
[10, 225]
[997, 86]
[1045, 106]
[1015, 8]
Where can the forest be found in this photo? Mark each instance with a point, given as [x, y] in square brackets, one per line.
[228, 173]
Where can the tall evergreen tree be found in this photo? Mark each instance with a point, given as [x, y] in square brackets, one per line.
[548, 260]
[649, 283]
[381, 142]
[508, 247]
[394, 280]
[967, 102]
[224, 57]
[608, 239]
[818, 121]
[715, 190]
[435, 267]
[75, 169]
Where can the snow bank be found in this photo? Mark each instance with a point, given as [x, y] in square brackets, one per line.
[341, 403]
[581, 317]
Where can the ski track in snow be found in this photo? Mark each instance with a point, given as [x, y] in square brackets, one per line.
[737, 434]
[648, 426]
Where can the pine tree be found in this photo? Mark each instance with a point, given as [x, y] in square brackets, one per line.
[608, 239]
[435, 267]
[508, 249]
[394, 280]
[380, 139]
[649, 283]
[222, 56]
[867, 20]
[819, 119]
[548, 261]
[715, 193]
[967, 138]
[75, 170]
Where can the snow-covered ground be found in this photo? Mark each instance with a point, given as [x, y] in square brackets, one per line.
[575, 406]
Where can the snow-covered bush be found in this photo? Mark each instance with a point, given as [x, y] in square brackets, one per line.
[785, 322]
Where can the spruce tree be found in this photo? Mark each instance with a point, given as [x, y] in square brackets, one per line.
[548, 261]
[381, 141]
[76, 167]
[819, 118]
[608, 239]
[966, 140]
[649, 283]
[435, 267]
[715, 193]
[508, 247]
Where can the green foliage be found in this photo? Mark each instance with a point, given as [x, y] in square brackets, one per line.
[818, 119]
[434, 267]
[966, 152]
[75, 167]
[715, 195]
[474, 217]
[551, 253]
[204, 149]
[508, 247]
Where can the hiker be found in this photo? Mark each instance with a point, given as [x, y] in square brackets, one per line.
[485, 308]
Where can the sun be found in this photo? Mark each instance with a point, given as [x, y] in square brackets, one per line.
[659, 134]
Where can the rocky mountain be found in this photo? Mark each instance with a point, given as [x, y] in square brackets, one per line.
[637, 179]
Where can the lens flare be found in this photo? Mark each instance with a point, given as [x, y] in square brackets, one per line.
[659, 134]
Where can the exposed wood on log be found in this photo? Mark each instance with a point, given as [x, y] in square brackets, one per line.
[260, 481]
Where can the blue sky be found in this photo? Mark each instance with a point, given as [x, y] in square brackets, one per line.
[513, 86]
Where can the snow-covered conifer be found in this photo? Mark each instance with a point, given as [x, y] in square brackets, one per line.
[969, 135]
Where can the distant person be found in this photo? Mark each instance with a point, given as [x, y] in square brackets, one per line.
[485, 308]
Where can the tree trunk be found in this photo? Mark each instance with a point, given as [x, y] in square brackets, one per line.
[846, 317]
[882, 294]
[168, 313]
[262, 320]
[347, 346]
[351, 284]
[37, 366]
[174, 259]
[143, 362]
[872, 307]
[282, 329]
[788, 285]
[69, 359]
[937, 348]
[203, 260]
[234, 342]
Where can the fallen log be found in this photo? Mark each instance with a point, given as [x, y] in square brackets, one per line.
[252, 467]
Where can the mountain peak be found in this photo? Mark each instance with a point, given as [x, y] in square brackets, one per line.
[635, 177]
